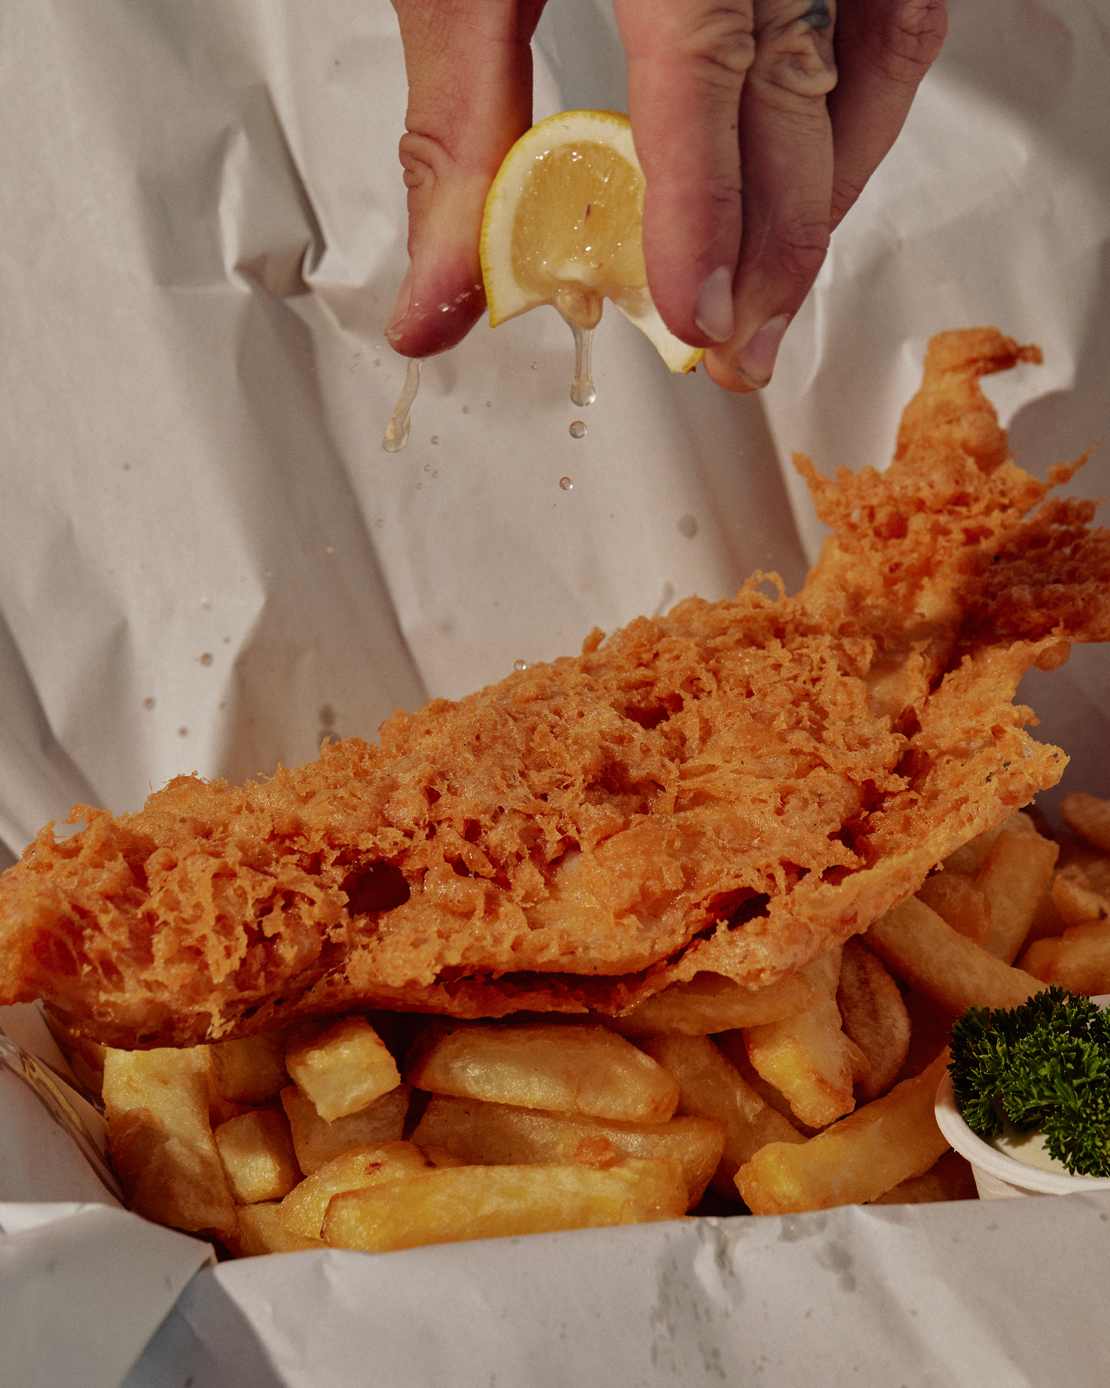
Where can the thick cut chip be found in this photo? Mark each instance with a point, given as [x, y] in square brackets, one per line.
[160, 1138]
[733, 788]
[951, 1178]
[710, 1087]
[944, 965]
[1079, 959]
[959, 902]
[1089, 817]
[563, 1069]
[317, 1142]
[710, 1003]
[303, 1209]
[489, 1202]
[257, 1152]
[261, 1230]
[252, 1070]
[808, 1058]
[856, 1160]
[499, 1135]
[1014, 876]
[341, 1068]
[874, 1016]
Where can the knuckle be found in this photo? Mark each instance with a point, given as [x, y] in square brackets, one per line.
[907, 38]
[794, 54]
[422, 157]
[720, 45]
[800, 247]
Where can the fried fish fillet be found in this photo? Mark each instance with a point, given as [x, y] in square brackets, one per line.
[734, 788]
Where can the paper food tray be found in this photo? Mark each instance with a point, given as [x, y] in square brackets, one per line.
[207, 563]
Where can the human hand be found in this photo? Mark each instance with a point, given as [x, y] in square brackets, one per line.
[757, 122]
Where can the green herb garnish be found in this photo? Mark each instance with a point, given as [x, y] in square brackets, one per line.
[1045, 1065]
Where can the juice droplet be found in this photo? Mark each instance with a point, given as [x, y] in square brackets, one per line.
[397, 433]
[578, 430]
[582, 391]
[566, 483]
[520, 665]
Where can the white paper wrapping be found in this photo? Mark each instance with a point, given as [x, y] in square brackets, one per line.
[948, 1296]
[208, 563]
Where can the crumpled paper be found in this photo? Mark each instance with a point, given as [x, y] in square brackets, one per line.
[82, 1289]
[208, 563]
[945, 1296]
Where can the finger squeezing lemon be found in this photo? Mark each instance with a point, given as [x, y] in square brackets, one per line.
[563, 226]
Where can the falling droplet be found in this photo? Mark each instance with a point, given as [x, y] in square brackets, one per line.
[397, 431]
[578, 430]
[435, 438]
[582, 387]
[520, 665]
[206, 658]
[565, 483]
[688, 525]
[535, 366]
[148, 702]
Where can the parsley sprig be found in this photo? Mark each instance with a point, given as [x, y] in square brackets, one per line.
[1046, 1065]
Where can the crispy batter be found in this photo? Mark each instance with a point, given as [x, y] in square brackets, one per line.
[735, 787]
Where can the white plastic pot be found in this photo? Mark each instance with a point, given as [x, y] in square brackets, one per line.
[998, 1176]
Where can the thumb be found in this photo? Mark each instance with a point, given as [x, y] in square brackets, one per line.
[469, 69]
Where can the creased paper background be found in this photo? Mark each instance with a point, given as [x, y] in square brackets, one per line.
[207, 562]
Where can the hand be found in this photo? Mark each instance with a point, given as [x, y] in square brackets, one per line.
[757, 122]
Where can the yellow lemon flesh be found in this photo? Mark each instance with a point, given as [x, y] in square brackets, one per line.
[563, 226]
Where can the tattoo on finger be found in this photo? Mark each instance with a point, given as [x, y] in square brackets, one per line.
[817, 16]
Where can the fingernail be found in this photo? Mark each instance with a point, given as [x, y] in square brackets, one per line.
[400, 306]
[713, 310]
[757, 360]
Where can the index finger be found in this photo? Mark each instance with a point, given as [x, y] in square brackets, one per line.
[469, 67]
[687, 62]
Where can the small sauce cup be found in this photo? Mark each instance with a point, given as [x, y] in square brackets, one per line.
[998, 1176]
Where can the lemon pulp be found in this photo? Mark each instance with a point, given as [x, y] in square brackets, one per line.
[595, 253]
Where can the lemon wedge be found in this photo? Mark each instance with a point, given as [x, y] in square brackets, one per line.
[563, 226]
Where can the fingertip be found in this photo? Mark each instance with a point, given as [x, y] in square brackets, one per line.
[713, 313]
[429, 326]
[434, 310]
[750, 366]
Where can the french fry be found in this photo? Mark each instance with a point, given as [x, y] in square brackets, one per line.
[341, 1068]
[1076, 901]
[710, 1087]
[960, 902]
[950, 1178]
[486, 1202]
[317, 1142]
[1013, 877]
[1089, 817]
[561, 1069]
[257, 1152]
[968, 858]
[857, 1159]
[807, 1057]
[732, 1047]
[1078, 960]
[160, 1139]
[252, 1070]
[710, 1004]
[498, 1135]
[874, 1016]
[302, 1210]
[944, 965]
[261, 1231]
